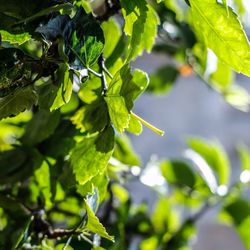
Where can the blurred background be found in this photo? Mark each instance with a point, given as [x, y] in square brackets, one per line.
[191, 109]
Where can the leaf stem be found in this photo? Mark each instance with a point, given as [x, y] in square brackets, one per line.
[94, 72]
[67, 243]
[86, 239]
[106, 70]
[148, 125]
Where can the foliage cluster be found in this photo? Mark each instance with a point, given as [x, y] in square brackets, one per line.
[67, 91]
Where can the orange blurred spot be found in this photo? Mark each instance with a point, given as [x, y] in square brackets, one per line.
[186, 70]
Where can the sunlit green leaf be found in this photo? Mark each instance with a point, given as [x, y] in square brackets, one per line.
[215, 156]
[140, 24]
[222, 78]
[92, 117]
[244, 154]
[163, 217]
[238, 97]
[99, 182]
[118, 112]
[65, 82]
[94, 225]
[135, 126]
[112, 34]
[222, 32]
[123, 90]
[42, 177]
[14, 38]
[90, 156]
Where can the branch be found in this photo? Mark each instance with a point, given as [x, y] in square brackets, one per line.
[101, 63]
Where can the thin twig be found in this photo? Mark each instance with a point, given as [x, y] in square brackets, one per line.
[106, 70]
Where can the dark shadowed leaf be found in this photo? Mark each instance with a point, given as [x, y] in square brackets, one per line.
[17, 102]
[163, 79]
[178, 173]
[41, 126]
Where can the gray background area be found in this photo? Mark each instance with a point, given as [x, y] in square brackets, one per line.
[191, 109]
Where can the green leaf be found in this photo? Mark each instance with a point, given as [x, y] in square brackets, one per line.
[238, 97]
[94, 225]
[205, 171]
[215, 156]
[65, 84]
[18, 164]
[99, 182]
[112, 33]
[53, 95]
[90, 156]
[131, 91]
[124, 151]
[91, 90]
[163, 79]
[92, 117]
[222, 78]
[118, 112]
[164, 217]
[14, 38]
[65, 133]
[41, 126]
[122, 92]
[120, 193]
[225, 37]
[239, 211]
[152, 242]
[178, 173]
[17, 102]
[244, 154]
[11, 162]
[140, 25]
[72, 105]
[88, 40]
[42, 177]
[135, 126]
